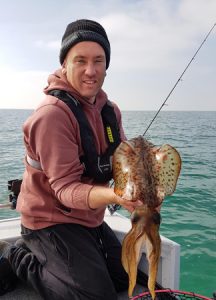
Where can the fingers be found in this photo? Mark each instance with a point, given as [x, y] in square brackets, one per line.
[130, 205]
[127, 204]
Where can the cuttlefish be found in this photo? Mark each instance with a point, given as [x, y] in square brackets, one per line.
[145, 172]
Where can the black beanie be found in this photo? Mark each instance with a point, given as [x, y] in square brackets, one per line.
[84, 30]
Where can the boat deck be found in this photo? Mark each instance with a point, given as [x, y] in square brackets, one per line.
[168, 273]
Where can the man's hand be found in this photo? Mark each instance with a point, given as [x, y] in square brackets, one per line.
[129, 205]
[100, 196]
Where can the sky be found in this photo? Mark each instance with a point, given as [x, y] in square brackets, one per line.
[152, 41]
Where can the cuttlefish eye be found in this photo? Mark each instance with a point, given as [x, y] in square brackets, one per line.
[156, 217]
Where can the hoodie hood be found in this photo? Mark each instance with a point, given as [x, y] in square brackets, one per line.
[59, 81]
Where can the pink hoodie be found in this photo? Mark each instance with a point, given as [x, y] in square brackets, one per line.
[59, 193]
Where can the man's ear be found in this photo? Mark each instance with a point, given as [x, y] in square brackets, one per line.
[64, 71]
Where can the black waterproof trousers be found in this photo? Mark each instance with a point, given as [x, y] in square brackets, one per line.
[71, 262]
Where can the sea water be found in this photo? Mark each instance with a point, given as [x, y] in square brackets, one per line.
[188, 216]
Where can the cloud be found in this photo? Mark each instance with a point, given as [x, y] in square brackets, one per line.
[53, 44]
[151, 43]
[201, 13]
[22, 89]
[150, 34]
[147, 34]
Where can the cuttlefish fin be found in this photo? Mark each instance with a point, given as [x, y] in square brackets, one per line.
[166, 166]
[131, 248]
[153, 249]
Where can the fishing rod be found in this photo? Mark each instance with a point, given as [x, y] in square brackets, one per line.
[179, 79]
[113, 207]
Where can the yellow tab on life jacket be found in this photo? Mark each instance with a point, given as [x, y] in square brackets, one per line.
[109, 134]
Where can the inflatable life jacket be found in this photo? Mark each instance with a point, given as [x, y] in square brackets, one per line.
[96, 166]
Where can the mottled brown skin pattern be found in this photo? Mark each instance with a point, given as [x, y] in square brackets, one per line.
[147, 173]
[133, 172]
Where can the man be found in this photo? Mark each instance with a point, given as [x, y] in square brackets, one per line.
[69, 252]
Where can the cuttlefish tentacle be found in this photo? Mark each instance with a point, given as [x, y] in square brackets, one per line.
[131, 249]
[153, 247]
[148, 173]
[144, 232]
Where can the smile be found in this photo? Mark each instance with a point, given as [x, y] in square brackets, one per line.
[89, 81]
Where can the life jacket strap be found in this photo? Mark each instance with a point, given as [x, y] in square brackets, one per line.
[96, 165]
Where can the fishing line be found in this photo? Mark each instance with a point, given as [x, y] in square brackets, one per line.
[179, 78]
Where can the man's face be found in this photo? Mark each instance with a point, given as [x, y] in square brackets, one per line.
[85, 67]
